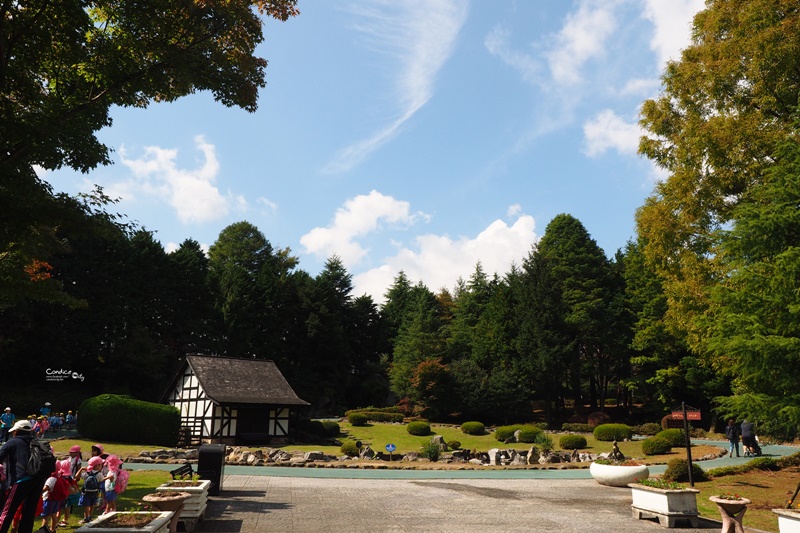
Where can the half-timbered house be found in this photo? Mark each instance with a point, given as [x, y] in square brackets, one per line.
[231, 401]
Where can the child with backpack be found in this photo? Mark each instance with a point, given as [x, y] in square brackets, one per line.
[92, 479]
[54, 492]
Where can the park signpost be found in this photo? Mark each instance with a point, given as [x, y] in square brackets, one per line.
[686, 415]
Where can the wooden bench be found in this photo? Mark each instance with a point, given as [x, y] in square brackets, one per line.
[182, 472]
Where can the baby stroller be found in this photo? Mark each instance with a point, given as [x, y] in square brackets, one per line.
[754, 448]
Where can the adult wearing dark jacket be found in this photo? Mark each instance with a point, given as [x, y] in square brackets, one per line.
[23, 489]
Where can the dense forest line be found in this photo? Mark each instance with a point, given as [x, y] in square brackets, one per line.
[702, 306]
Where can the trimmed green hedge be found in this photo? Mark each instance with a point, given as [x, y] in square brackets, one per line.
[375, 414]
[473, 428]
[114, 418]
[678, 470]
[673, 436]
[609, 432]
[357, 419]
[419, 428]
[530, 434]
[349, 448]
[503, 433]
[332, 428]
[576, 428]
[656, 446]
[572, 442]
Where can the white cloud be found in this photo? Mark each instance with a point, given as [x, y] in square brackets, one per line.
[642, 87]
[514, 210]
[608, 131]
[192, 193]
[673, 23]
[497, 45]
[268, 204]
[438, 260]
[419, 35]
[581, 38]
[359, 216]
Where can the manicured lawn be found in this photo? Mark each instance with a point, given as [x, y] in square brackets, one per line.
[121, 450]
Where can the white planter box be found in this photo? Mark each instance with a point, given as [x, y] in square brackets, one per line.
[788, 520]
[668, 505]
[159, 524]
[194, 506]
[616, 475]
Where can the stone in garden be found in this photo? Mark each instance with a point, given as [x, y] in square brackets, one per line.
[533, 456]
[314, 456]
[494, 456]
[439, 441]
[367, 453]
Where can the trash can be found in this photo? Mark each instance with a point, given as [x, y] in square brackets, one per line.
[211, 465]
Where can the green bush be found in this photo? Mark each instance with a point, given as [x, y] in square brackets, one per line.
[655, 446]
[789, 460]
[503, 433]
[473, 428]
[114, 418]
[349, 448]
[544, 441]
[529, 434]
[357, 419]
[609, 432]
[430, 450]
[375, 414]
[572, 442]
[764, 463]
[419, 428]
[332, 428]
[678, 470]
[454, 445]
[673, 436]
[576, 428]
[649, 429]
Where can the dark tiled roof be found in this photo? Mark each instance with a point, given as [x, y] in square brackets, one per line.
[240, 381]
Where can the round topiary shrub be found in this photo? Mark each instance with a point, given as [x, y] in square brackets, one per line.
[357, 419]
[673, 436]
[650, 429]
[349, 448]
[503, 433]
[454, 444]
[419, 428]
[473, 428]
[609, 432]
[678, 470]
[529, 434]
[597, 418]
[572, 442]
[655, 446]
[110, 417]
[332, 428]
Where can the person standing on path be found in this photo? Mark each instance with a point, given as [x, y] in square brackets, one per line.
[25, 490]
[732, 434]
[748, 437]
[7, 420]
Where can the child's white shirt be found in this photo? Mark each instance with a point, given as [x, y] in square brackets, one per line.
[50, 484]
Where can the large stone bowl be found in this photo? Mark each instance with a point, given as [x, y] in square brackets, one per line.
[618, 475]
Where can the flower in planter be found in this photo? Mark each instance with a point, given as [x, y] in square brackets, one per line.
[729, 496]
[626, 462]
[658, 483]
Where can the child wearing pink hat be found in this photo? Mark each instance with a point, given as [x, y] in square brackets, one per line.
[92, 479]
[110, 494]
[68, 468]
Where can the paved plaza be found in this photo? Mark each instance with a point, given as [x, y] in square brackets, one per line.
[249, 504]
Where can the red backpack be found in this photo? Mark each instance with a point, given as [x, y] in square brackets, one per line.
[122, 480]
[60, 491]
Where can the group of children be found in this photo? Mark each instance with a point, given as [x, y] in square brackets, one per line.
[101, 482]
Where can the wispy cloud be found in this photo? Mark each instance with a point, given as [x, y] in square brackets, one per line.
[192, 193]
[358, 217]
[419, 37]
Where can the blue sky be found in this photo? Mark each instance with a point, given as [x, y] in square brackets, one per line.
[414, 135]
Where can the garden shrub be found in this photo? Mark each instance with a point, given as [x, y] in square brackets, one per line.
[649, 429]
[332, 428]
[357, 419]
[609, 432]
[349, 448]
[656, 446]
[598, 418]
[544, 441]
[454, 445]
[374, 414]
[473, 428]
[576, 428]
[541, 425]
[678, 470]
[789, 460]
[764, 463]
[572, 442]
[529, 434]
[419, 428]
[673, 436]
[503, 433]
[114, 418]
[431, 451]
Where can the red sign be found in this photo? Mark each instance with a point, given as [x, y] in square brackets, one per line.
[690, 415]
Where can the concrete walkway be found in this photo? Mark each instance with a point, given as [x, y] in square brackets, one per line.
[250, 504]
